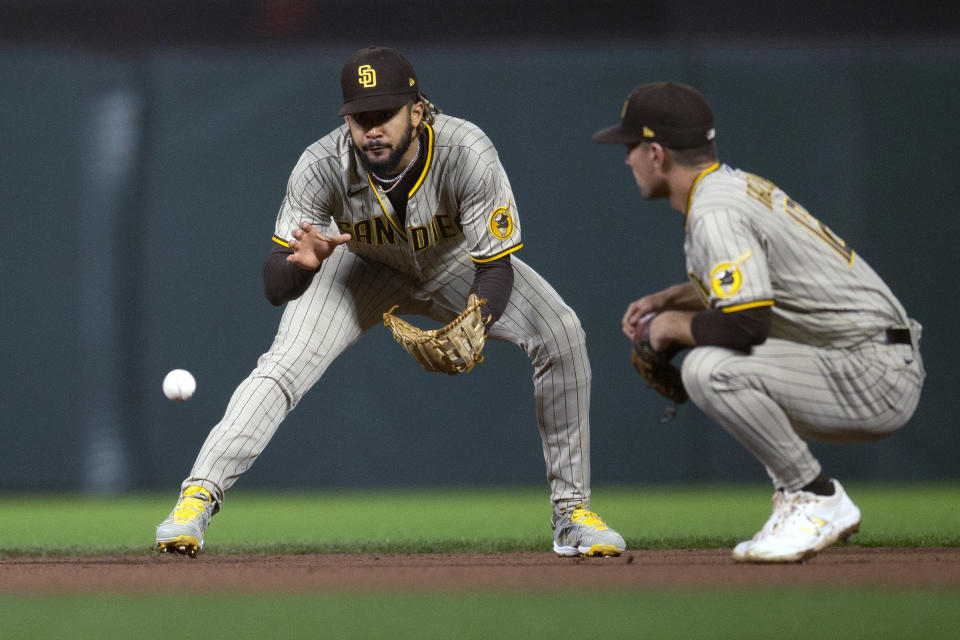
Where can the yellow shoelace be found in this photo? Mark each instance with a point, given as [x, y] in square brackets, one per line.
[588, 518]
[189, 507]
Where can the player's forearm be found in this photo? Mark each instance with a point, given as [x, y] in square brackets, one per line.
[739, 330]
[283, 281]
[670, 328]
[681, 297]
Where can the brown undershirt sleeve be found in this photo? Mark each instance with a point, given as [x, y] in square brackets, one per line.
[737, 330]
[283, 281]
[493, 281]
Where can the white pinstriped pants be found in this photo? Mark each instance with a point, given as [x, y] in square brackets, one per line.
[346, 299]
[785, 392]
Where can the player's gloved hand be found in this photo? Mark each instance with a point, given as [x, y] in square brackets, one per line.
[452, 349]
[654, 366]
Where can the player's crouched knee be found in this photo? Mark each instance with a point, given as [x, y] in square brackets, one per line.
[702, 369]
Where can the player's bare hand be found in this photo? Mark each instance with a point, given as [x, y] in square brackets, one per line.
[638, 314]
[310, 247]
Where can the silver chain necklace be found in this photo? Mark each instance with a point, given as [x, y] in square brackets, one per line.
[396, 179]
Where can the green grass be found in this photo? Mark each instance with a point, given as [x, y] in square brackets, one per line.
[464, 519]
[567, 613]
[452, 520]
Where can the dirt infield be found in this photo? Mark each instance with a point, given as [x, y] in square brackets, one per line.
[927, 566]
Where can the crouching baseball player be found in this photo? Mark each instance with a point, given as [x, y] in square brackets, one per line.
[403, 208]
[794, 336]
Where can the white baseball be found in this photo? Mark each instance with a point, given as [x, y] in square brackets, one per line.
[179, 385]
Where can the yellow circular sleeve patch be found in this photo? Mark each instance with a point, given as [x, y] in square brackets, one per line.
[725, 279]
[501, 223]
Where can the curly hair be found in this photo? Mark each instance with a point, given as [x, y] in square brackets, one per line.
[430, 110]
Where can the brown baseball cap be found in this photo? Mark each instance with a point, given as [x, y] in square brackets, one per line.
[375, 79]
[672, 113]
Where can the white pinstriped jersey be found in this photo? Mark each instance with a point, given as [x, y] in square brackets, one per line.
[461, 203]
[749, 244]
[460, 211]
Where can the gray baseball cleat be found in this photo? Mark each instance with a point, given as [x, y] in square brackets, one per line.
[577, 531]
[182, 531]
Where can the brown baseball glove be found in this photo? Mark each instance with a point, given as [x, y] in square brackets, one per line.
[452, 349]
[655, 367]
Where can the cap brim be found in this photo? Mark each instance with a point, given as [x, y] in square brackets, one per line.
[375, 103]
[615, 135]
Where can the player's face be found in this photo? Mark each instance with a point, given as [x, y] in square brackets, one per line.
[642, 160]
[384, 137]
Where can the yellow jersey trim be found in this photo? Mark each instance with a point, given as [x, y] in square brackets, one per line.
[426, 166]
[747, 305]
[423, 174]
[393, 223]
[693, 187]
[282, 243]
[498, 256]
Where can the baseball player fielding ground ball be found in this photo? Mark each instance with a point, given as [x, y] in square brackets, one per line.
[794, 336]
[403, 208]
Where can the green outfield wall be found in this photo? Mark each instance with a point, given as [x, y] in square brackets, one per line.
[139, 193]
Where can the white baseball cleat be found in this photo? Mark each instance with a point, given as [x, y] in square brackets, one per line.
[802, 525]
[740, 551]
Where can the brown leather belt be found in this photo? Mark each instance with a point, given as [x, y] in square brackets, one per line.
[898, 336]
